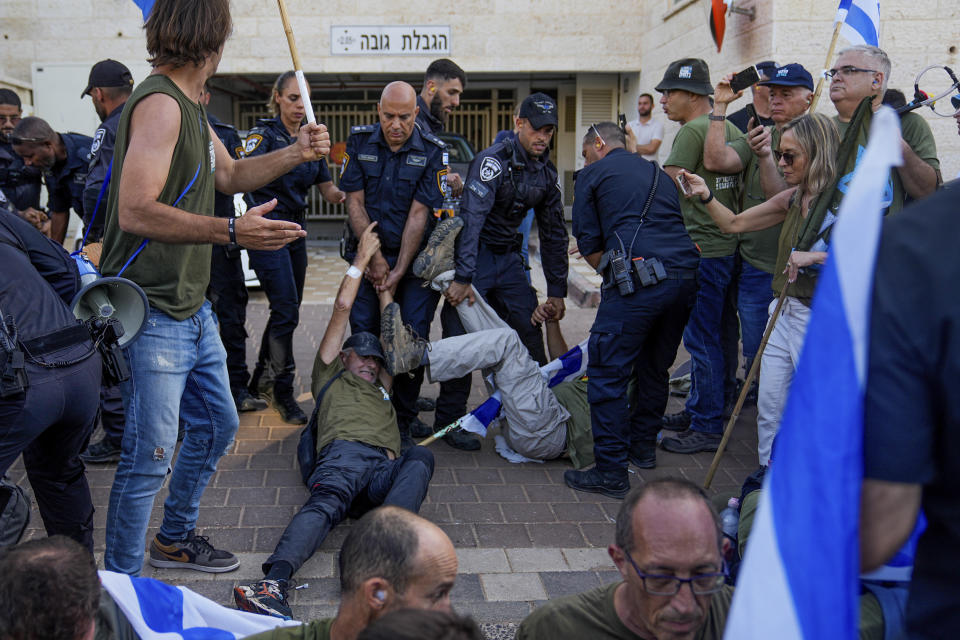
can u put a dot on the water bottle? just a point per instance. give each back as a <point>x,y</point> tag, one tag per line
<point>730,519</point>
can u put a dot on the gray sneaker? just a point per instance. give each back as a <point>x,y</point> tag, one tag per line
<point>437,257</point>
<point>402,347</point>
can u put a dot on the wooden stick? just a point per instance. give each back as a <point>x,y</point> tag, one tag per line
<point>822,80</point>
<point>746,388</point>
<point>439,434</point>
<point>297,67</point>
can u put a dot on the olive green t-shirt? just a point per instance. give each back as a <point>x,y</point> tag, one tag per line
<point>793,225</point>
<point>353,409</point>
<point>174,276</point>
<point>314,630</point>
<point>759,248</point>
<point>915,130</point>
<point>687,152</point>
<point>572,396</point>
<point>592,615</point>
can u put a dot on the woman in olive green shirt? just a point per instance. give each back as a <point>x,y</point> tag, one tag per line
<point>807,159</point>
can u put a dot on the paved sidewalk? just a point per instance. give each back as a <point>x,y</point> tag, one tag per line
<point>521,534</point>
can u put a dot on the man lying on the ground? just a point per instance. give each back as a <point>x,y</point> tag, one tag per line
<point>358,463</point>
<point>390,560</point>
<point>669,551</point>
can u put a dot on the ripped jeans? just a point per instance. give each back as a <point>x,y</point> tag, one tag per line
<point>178,371</point>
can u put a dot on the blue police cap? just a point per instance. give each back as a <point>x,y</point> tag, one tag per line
<point>365,343</point>
<point>539,109</point>
<point>790,75</point>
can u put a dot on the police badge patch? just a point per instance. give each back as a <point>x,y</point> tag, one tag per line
<point>490,168</point>
<point>253,141</point>
<point>97,141</point>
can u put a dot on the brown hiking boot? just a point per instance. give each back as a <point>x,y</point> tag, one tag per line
<point>437,257</point>
<point>402,347</point>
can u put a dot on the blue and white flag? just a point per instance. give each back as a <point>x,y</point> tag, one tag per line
<point>861,21</point>
<point>569,366</point>
<point>799,578</point>
<point>145,7</point>
<point>157,610</point>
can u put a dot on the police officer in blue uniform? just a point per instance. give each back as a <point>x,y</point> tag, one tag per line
<point>19,183</point>
<point>64,159</point>
<point>443,83</point>
<point>282,272</point>
<point>109,85</point>
<point>392,174</point>
<point>49,377</point>
<point>504,182</point>
<point>628,225</point>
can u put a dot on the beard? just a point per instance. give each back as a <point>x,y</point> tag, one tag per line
<point>436,110</point>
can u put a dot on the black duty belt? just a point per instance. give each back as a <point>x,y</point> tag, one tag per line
<point>57,340</point>
<point>682,274</point>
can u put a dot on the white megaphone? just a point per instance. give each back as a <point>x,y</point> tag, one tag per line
<point>112,297</point>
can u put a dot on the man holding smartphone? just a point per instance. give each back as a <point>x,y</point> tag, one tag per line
<point>761,98</point>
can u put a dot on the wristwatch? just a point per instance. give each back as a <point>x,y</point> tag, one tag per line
<point>717,118</point>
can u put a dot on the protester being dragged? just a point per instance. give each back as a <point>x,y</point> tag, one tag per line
<point>807,153</point>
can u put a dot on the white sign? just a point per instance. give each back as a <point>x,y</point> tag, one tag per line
<point>393,40</point>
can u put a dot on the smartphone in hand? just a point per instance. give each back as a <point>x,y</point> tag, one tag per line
<point>746,78</point>
<point>684,184</point>
<point>622,121</point>
<point>752,113</point>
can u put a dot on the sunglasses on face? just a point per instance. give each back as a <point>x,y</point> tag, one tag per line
<point>787,157</point>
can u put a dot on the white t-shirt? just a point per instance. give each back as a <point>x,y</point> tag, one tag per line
<point>645,133</point>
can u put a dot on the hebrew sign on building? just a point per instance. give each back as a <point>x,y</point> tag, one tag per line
<point>389,40</point>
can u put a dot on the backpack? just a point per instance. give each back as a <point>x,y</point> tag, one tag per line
<point>307,446</point>
<point>14,513</point>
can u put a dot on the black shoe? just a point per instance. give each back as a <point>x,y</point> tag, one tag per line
<point>676,421</point>
<point>267,597</point>
<point>101,451</point>
<point>596,481</point>
<point>418,428</point>
<point>289,410</point>
<point>406,442</point>
<point>425,404</point>
<point>195,552</point>
<point>642,457</point>
<point>246,402</point>
<point>462,440</point>
<point>691,441</point>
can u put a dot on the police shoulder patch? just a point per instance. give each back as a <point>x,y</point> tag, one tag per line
<point>362,128</point>
<point>490,168</point>
<point>238,151</point>
<point>252,142</point>
<point>97,140</point>
<point>434,139</point>
<point>478,188</point>
<point>416,160</point>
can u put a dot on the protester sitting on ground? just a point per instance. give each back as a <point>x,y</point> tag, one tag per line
<point>418,624</point>
<point>669,552</point>
<point>390,560</point>
<point>358,463</point>
<point>807,154</point>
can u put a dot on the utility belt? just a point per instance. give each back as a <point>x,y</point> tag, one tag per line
<point>625,275</point>
<point>14,353</point>
<point>57,340</point>
<point>500,248</point>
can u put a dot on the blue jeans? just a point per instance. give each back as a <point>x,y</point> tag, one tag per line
<point>755,291</point>
<point>525,227</point>
<point>282,274</point>
<point>177,371</point>
<point>702,338</point>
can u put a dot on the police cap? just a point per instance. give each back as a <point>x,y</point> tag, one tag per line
<point>108,73</point>
<point>539,109</point>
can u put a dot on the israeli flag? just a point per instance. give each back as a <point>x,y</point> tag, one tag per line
<point>569,366</point>
<point>159,611</point>
<point>861,21</point>
<point>809,509</point>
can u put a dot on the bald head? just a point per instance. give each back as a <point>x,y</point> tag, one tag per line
<point>398,112</point>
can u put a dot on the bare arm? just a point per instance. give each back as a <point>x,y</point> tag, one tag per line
<point>919,178</point>
<point>359,220</point>
<point>409,243</point>
<point>332,340</point>
<point>717,156</point>
<point>650,148</point>
<point>762,216</point>
<point>556,344</point>
<point>59,220</point>
<point>888,514</point>
<point>331,193</point>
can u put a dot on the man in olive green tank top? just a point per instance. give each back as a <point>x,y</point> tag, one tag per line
<point>158,230</point>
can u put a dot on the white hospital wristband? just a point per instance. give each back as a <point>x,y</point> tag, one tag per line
<point>353,272</point>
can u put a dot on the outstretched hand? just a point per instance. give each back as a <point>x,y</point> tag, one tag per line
<point>256,232</point>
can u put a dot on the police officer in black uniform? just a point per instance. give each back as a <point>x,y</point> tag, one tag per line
<point>109,85</point>
<point>282,272</point>
<point>19,183</point>
<point>504,182</point>
<point>392,174</point>
<point>628,225</point>
<point>64,159</point>
<point>227,290</point>
<point>49,377</point>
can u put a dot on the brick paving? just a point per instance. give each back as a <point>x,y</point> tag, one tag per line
<point>521,534</point>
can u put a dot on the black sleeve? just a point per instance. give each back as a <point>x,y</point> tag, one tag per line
<point>553,237</point>
<point>49,259</point>
<point>478,199</point>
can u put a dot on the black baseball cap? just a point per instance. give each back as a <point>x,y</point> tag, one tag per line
<point>955,101</point>
<point>108,73</point>
<point>688,74</point>
<point>767,68</point>
<point>789,75</point>
<point>539,109</point>
<point>365,343</point>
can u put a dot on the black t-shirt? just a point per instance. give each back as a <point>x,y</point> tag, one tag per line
<point>912,420</point>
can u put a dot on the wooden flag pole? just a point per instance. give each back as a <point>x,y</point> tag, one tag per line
<point>746,388</point>
<point>826,65</point>
<point>439,434</point>
<point>297,67</point>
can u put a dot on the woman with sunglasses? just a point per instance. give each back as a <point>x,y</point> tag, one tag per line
<point>807,159</point>
<point>282,272</point>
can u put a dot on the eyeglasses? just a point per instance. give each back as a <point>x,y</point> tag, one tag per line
<point>17,141</point>
<point>597,131</point>
<point>701,584</point>
<point>787,156</point>
<point>10,119</point>
<point>845,71</point>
